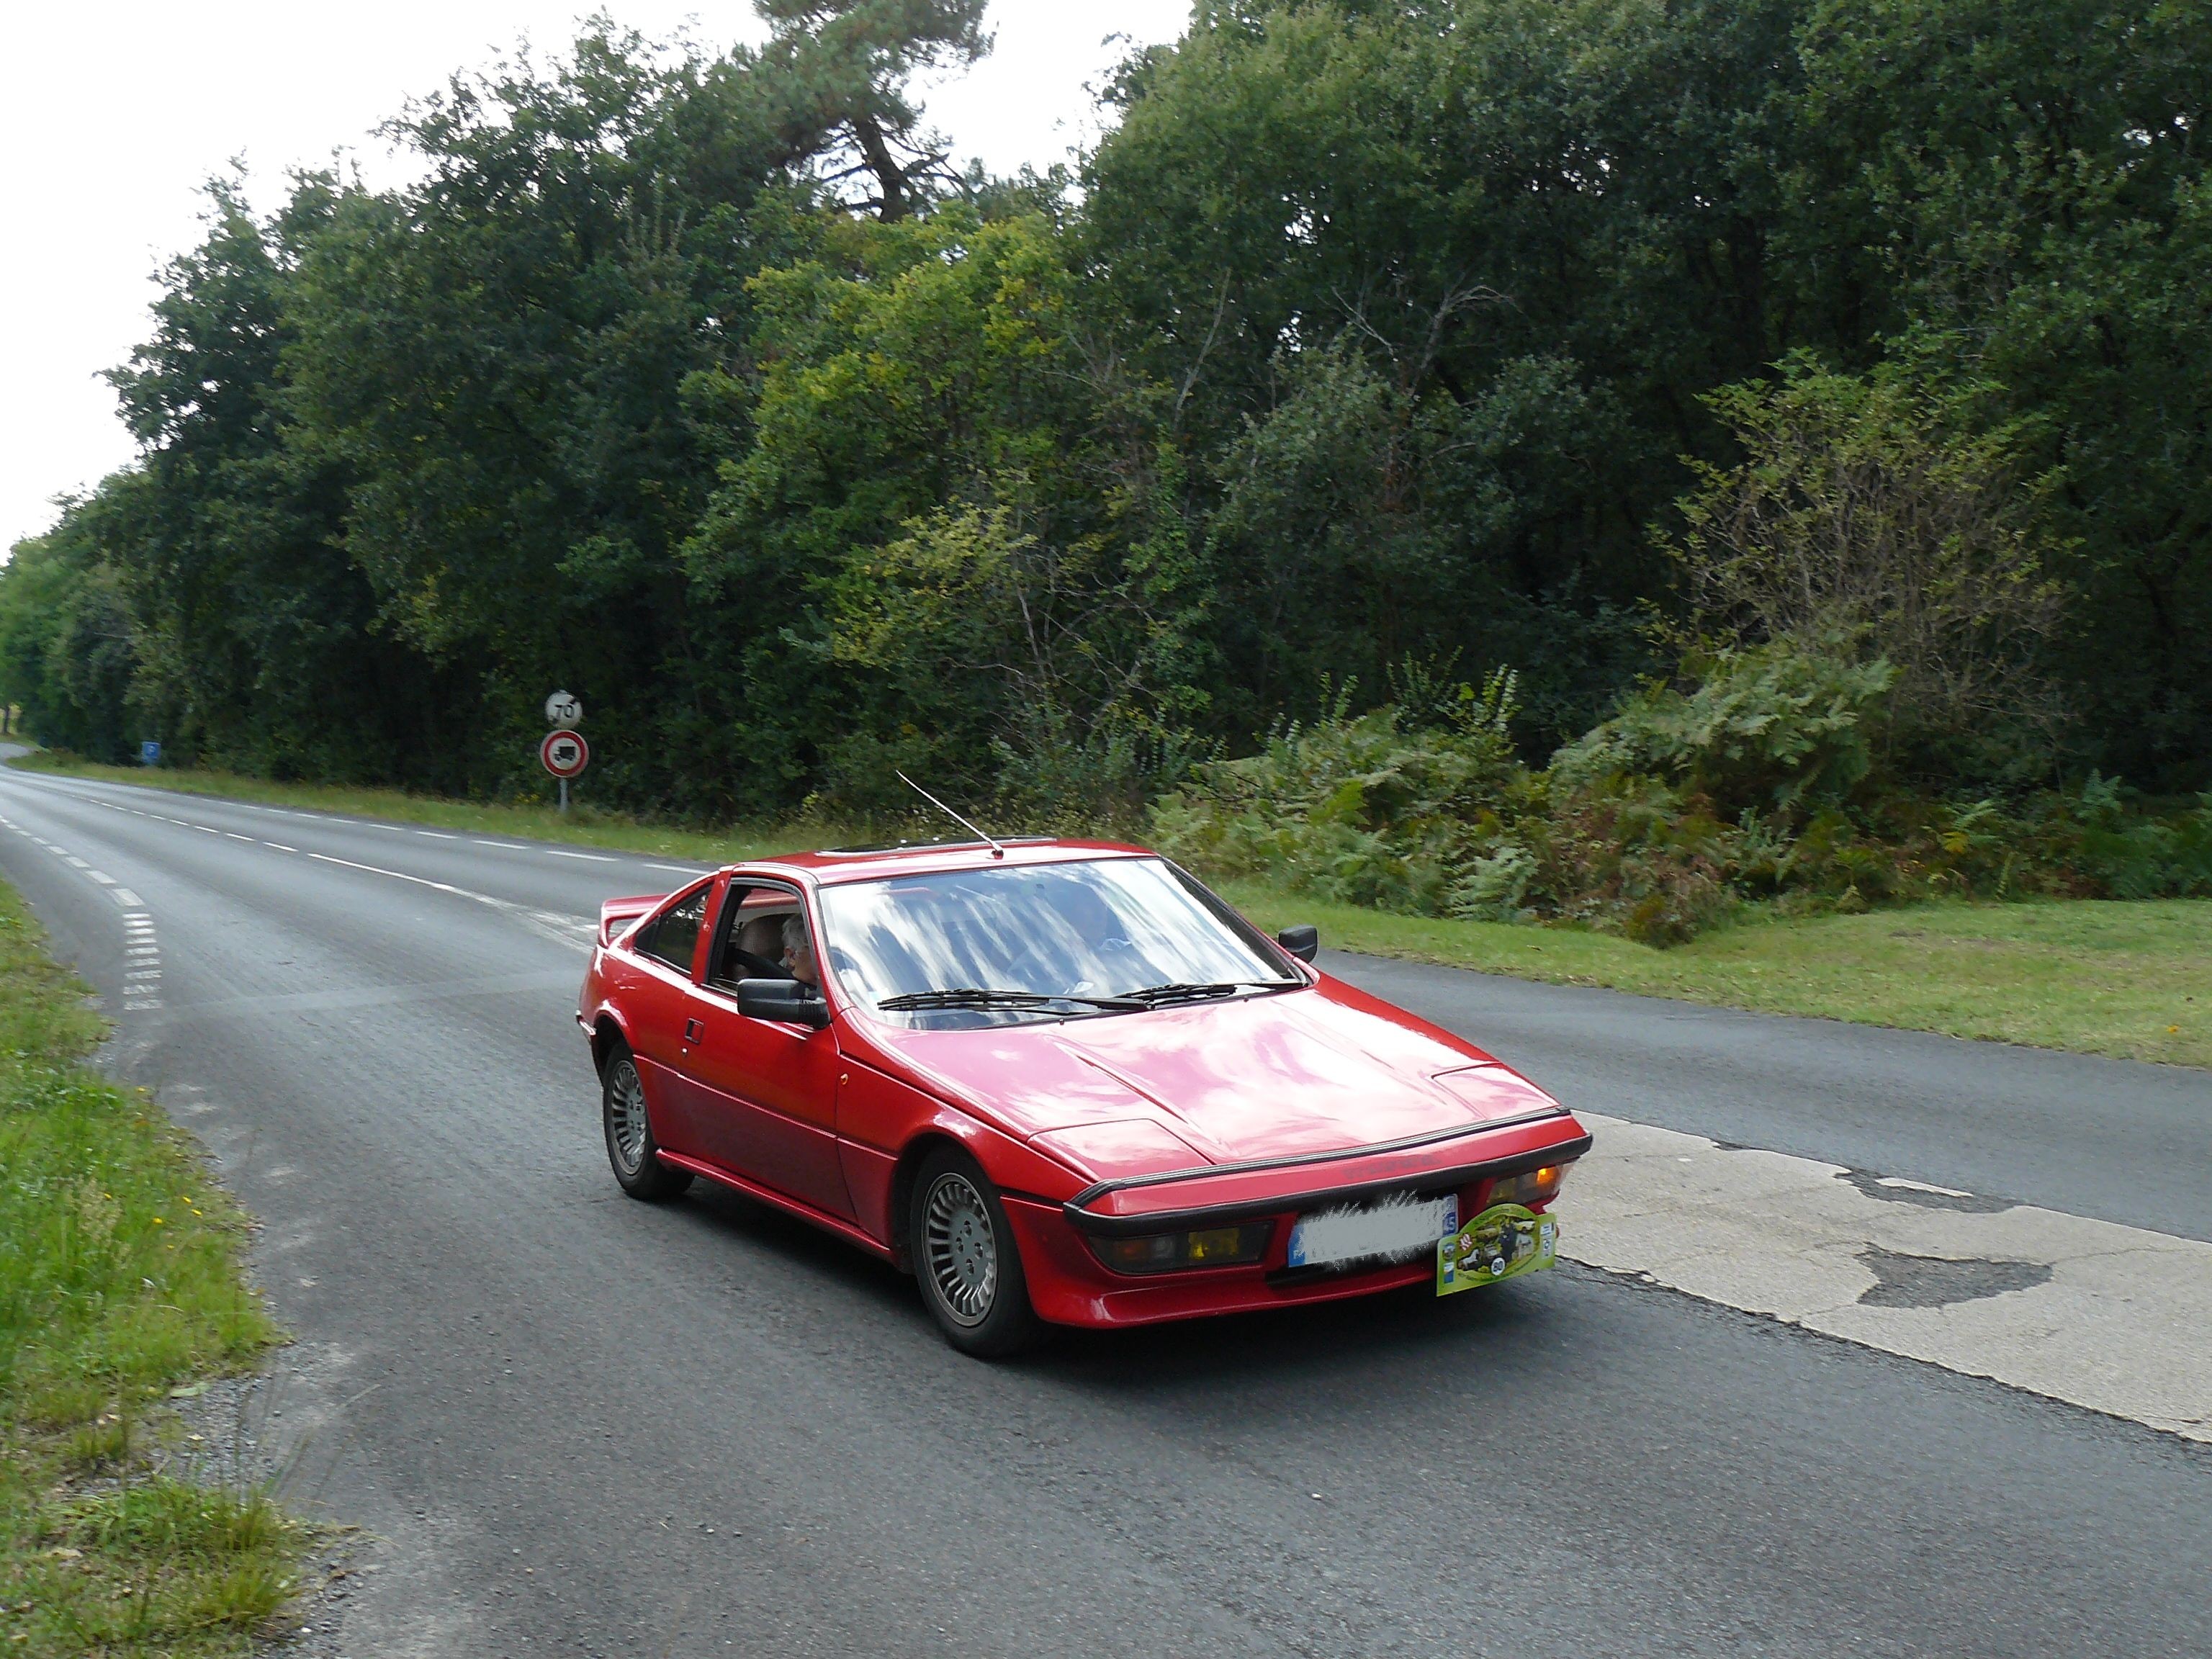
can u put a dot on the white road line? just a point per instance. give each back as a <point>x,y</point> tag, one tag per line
<point>437,835</point>
<point>2114,1318</point>
<point>142,975</point>
<point>100,876</point>
<point>401,875</point>
<point>578,932</point>
<point>504,845</point>
<point>595,858</point>
<point>280,847</point>
<point>676,869</point>
<point>234,836</point>
<point>125,897</point>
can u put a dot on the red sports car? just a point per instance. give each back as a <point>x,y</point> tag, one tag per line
<point>1061,1083</point>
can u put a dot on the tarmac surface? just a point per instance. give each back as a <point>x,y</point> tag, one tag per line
<point>572,1424</point>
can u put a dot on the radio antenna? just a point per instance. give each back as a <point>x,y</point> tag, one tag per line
<point>997,851</point>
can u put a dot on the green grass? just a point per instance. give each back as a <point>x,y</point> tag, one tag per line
<point>2128,978</point>
<point>2133,980</point>
<point>120,1280</point>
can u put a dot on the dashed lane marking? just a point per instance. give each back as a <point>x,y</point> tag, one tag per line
<point>365,823</point>
<point>114,889</point>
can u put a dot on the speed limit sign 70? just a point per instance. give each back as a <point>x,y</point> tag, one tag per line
<point>564,754</point>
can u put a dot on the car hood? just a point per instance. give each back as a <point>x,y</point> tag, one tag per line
<point>1321,1070</point>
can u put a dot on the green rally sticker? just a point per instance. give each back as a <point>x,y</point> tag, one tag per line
<point>1502,1242</point>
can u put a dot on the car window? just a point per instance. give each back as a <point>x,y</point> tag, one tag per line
<point>1095,927</point>
<point>749,944</point>
<point>675,935</point>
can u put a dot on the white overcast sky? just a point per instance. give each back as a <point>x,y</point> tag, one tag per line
<point>113,115</point>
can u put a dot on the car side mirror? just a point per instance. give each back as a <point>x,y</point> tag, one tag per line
<point>1301,941</point>
<point>784,1000</point>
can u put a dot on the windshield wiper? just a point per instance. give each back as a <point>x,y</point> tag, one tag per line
<point>973,997</point>
<point>1154,996</point>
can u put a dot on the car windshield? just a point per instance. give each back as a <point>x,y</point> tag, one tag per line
<point>977,947</point>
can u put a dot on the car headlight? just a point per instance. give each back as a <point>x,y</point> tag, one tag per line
<point>1205,1247</point>
<point>1529,1188</point>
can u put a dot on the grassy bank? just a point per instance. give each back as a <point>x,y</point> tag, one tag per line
<point>120,1283</point>
<point>2133,980</point>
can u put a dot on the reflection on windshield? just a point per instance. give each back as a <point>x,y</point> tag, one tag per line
<point>1095,928</point>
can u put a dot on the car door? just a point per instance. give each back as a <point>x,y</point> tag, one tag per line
<point>765,1092</point>
<point>655,995</point>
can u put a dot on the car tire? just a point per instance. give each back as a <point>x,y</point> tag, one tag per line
<point>631,1148</point>
<point>964,1255</point>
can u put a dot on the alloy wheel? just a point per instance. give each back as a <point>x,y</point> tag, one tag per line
<point>961,1248</point>
<point>626,1113</point>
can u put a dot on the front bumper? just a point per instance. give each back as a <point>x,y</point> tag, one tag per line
<point>1070,1285</point>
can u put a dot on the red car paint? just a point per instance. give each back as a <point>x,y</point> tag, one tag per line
<point>1248,1108</point>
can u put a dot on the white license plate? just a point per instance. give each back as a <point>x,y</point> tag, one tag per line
<point>1397,1229</point>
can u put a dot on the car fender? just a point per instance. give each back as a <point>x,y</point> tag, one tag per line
<point>598,1010</point>
<point>886,1126</point>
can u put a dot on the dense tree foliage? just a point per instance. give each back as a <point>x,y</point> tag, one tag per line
<point>1379,343</point>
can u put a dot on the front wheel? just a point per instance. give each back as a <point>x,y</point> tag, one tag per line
<point>964,1255</point>
<point>630,1145</point>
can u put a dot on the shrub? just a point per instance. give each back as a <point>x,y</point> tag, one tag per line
<point>1867,513</point>
<point>1774,726</point>
<point>1756,782</point>
<point>1357,808</point>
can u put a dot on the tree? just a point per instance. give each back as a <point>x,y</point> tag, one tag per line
<point>841,68</point>
<point>1863,522</point>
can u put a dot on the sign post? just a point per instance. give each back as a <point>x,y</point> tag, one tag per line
<point>563,753</point>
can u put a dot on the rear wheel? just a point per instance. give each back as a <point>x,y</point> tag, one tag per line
<point>630,1145</point>
<point>964,1255</point>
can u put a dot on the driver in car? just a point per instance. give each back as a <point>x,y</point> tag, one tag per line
<point>757,950</point>
<point>799,953</point>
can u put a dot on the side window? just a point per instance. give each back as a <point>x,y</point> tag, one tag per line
<point>672,938</point>
<point>751,943</point>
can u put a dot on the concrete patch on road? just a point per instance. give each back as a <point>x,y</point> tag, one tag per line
<point>2117,1318</point>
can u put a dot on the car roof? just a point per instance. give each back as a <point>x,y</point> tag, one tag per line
<point>833,866</point>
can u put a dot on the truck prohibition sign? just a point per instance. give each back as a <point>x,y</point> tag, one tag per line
<point>564,754</point>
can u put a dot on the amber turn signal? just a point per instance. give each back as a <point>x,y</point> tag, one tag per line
<point>1207,1246</point>
<point>1530,1186</point>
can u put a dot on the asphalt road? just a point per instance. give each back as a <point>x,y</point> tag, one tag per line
<point>576,1424</point>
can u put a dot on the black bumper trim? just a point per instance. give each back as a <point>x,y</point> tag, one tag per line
<point>1173,1221</point>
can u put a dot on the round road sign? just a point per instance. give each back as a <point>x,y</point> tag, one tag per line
<point>563,708</point>
<point>564,754</point>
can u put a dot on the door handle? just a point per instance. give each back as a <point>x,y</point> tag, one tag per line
<point>694,1031</point>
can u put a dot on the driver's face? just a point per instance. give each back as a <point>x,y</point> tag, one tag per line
<point>799,958</point>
